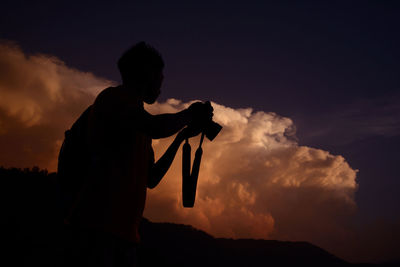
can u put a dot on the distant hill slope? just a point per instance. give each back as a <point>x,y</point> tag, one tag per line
<point>167,244</point>
<point>33,233</point>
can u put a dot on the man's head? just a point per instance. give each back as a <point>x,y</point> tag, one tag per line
<point>141,68</point>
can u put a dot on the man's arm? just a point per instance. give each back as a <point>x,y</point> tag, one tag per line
<point>161,167</point>
<point>165,125</point>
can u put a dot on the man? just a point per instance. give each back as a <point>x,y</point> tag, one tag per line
<point>106,219</point>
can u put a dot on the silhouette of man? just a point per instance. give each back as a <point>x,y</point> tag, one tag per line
<point>120,132</point>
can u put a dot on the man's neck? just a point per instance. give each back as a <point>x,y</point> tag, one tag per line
<point>133,91</point>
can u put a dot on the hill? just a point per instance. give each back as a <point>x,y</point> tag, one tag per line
<point>167,244</point>
<point>34,235</point>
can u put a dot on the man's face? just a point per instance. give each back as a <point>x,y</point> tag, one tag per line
<point>153,89</point>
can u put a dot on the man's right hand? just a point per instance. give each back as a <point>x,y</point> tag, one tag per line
<point>201,112</point>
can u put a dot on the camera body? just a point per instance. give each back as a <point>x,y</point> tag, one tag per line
<point>210,128</point>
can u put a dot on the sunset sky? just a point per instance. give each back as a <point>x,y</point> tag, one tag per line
<point>308,94</point>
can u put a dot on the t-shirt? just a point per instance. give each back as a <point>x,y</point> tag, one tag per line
<point>121,158</point>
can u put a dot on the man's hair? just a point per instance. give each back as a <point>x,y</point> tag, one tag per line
<point>138,61</point>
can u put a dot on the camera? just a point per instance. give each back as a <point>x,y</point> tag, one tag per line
<point>209,128</point>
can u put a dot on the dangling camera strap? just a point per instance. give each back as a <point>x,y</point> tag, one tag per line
<point>189,178</point>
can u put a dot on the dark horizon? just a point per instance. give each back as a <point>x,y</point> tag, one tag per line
<point>162,243</point>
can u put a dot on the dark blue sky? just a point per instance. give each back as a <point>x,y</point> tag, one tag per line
<point>333,68</point>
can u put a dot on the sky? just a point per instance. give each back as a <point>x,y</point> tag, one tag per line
<point>307,92</point>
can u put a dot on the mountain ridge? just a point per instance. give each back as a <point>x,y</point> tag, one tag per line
<point>184,245</point>
<point>33,231</point>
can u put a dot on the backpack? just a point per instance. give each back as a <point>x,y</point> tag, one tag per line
<point>73,164</point>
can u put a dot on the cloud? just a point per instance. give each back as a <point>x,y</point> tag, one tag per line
<point>255,181</point>
<point>40,97</point>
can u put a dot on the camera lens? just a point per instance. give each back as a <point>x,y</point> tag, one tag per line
<point>212,130</point>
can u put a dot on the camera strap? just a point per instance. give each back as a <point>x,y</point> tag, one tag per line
<point>190,176</point>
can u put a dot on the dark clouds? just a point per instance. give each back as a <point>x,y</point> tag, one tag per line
<point>358,120</point>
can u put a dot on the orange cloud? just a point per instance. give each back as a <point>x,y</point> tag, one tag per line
<point>255,180</point>
<point>40,97</point>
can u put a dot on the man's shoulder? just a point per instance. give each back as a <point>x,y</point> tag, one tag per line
<point>107,94</point>
<point>115,102</point>
<point>118,96</point>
